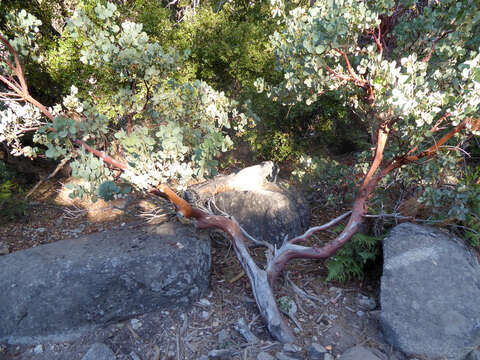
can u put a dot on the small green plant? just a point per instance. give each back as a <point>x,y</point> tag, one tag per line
<point>277,146</point>
<point>351,259</point>
<point>333,184</point>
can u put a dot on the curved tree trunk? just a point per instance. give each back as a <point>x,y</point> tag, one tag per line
<point>261,280</point>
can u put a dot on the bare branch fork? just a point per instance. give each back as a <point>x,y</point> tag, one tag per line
<point>262,280</point>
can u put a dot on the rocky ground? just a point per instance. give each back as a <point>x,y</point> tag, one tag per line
<point>224,324</point>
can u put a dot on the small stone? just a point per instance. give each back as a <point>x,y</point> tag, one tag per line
<point>136,324</point>
<point>317,351</point>
<point>335,290</point>
<point>59,221</point>
<point>358,353</point>
<point>38,349</point>
<point>99,351</point>
<point>360,313</point>
<point>203,357</point>
<point>264,356</point>
<point>221,354</point>
<point>204,302</point>
<point>366,302</point>
<point>284,356</point>
<point>134,356</point>
<point>332,317</point>
<point>41,229</point>
<point>291,348</point>
<point>223,338</point>
<point>79,229</point>
<point>4,250</point>
<point>205,315</point>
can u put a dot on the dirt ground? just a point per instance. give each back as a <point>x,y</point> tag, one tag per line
<point>330,314</point>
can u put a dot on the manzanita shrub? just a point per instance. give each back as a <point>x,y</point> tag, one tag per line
<point>410,70</point>
<point>163,129</point>
<point>411,67</point>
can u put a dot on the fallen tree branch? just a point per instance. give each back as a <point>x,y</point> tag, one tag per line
<point>289,250</point>
<point>262,280</point>
<point>261,288</point>
<point>37,185</point>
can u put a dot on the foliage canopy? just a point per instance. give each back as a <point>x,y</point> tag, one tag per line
<point>161,90</point>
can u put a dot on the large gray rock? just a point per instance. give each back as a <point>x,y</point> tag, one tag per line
<point>474,355</point>
<point>430,291</point>
<point>269,214</point>
<point>266,209</point>
<point>54,291</point>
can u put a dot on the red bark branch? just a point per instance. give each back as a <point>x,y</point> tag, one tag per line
<point>360,82</point>
<point>291,251</point>
<point>434,148</point>
<point>339,75</point>
<point>434,44</point>
<point>378,39</point>
<point>100,154</point>
<point>18,67</point>
<point>435,128</point>
<point>262,291</point>
<point>323,227</point>
<point>353,77</point>
<point>261,280</point>
<point>22,91</point>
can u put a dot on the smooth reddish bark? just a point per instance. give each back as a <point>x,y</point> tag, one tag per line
<point>262,280</point>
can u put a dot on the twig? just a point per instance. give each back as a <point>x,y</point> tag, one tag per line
<point>135,335</point>
<point>57,169</point>
<point>434,44</point>
<point>155,215</point>
<point>436,128</point>
<point>242,327</point>
<point>299,291</point>
<point>456,148</point>
<point>236,277</point>
<point>178,345</point>
<point>156,354</point>
<point>323,227</point>
<point>184,326</point>
<point>74,213</point>
<point>254,319</point>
